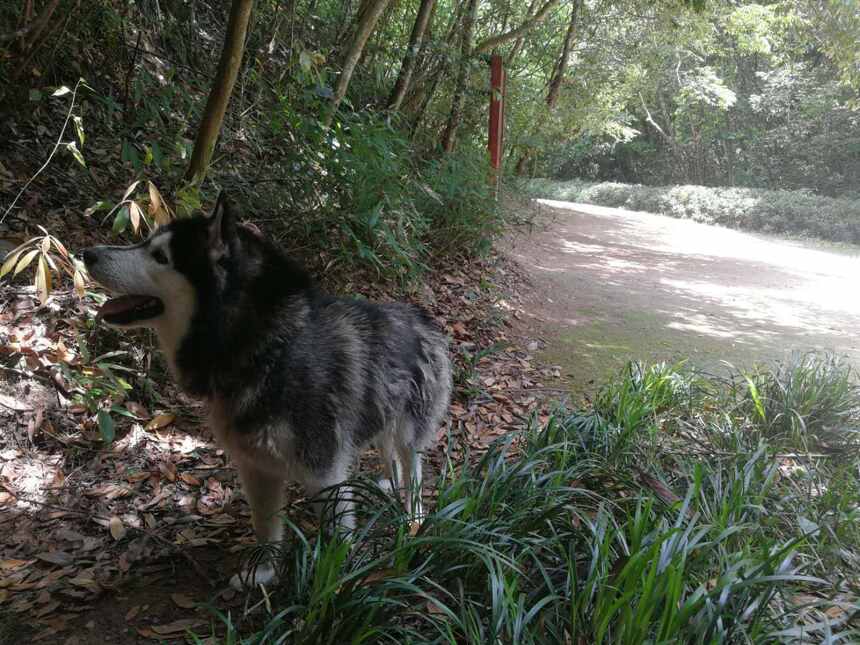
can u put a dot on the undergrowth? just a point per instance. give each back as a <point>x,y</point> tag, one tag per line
<point>674,511</point>
<point>791,212</point>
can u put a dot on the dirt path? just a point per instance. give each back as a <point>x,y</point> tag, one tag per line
<point>612,285</point>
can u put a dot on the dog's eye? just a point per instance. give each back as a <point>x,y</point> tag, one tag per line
<point>159,256</point>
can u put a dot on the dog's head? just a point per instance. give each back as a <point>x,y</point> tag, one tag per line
<point>159,282</point>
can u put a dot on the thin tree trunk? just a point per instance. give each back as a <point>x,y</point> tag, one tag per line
<point>424,68</point>
<point>555,82</point>
<point>561,66</point>
<point>491,43</point>
<point>449,135</point>
<point>416,38</point>
<point>222,88</point>
<point>367,19</point>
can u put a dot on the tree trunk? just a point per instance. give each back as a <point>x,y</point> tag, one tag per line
<point>367,20</point>
<point>416,38</point>
<point>520,169</point>
<point>561,66</point>
<point>222,88</point>
<point>449,135</point>
<point>501,39</point>
<point>424,69</point>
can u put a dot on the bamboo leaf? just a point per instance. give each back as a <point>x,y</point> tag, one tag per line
<point>25,261</point>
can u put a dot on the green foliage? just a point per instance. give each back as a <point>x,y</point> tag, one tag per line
<point>552,536</point>
<point>797,213</point>
<point>457,193</point>
<point>808,403</point>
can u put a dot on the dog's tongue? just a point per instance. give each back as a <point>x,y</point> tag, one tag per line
<point>130,307</point>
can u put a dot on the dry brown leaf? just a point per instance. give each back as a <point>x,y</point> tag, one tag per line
<point>160,421</point>
<point>835,612</point>
<point>168,468</point>
<point>379,574</point>
<point>177,626</point>
<point>86,583</point>
<point>117,530</point>
<point>190,479</point>
<point>56,557</point>
<point>137,409</point>
<point>183,600</point>
<point>132,613</point>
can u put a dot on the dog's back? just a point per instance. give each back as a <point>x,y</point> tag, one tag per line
<point>332,374</point>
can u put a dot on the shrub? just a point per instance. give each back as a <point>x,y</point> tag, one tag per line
<point>791,212</point>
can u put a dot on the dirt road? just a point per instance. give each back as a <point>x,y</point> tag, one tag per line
<point>612,285</point>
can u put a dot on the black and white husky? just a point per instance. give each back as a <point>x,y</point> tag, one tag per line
<point>296,381</point>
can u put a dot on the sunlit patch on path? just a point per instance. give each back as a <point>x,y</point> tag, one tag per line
<point>611,285</point>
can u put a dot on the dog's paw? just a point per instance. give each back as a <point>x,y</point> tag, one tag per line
<point>263,574</point>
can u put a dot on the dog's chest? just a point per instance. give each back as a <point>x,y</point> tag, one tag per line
<point>270,447</point>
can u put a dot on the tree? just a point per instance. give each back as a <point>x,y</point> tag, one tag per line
<point>416,39</point>
<point>556,79</point>
<point>518,43</point>
<point>368,16</point>
<point>561,65</point>
<point>456,114</point>
<point>222,89</point>
<point>491,43</point>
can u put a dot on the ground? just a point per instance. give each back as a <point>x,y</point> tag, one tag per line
<point>134,540</point>
<point>611,285</point>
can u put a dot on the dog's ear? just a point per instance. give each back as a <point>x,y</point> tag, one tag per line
<point>222,224</point>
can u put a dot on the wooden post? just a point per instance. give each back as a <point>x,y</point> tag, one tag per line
<point>497,117</point>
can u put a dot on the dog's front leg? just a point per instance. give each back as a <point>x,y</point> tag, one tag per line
<point>265,494</point>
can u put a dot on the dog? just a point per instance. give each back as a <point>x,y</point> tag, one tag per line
<point>297,382</point>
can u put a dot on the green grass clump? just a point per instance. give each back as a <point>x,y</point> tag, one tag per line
<point>669,513</point>
<point>791,212</point>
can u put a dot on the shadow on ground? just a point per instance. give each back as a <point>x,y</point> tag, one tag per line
<point>612,285</point>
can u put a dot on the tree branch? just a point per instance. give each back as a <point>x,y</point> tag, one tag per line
<point>501,39</point>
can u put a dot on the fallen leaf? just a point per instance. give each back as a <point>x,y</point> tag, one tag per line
<point>160,421</point>
<point>137,409</point>
<point>183,600</point>
<point>56,557</point>
<point>169,470</point>
<point>86,583</point>
<point>379,574</point>
<point>132,613</point>
<point>11,565</point>
<point>47,609</point>
<point>177,626</point>
<point>189,479</point>
<point>117,530</point>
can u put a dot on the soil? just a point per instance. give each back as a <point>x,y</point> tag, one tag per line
<point>611,285</point>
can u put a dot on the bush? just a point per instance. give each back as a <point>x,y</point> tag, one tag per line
<point>770,211</point>
<point>810,403</point>
<point>579,531</point>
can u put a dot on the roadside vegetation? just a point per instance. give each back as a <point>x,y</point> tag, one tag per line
<point>793,213</point>
<point>679,508</point>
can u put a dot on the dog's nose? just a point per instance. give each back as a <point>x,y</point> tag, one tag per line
<point>88,256</point>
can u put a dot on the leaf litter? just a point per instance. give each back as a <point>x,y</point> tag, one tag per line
<point>84,518</point>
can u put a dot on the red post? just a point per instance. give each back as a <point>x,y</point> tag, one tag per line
<point>497,112</point>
